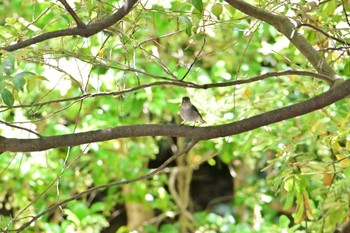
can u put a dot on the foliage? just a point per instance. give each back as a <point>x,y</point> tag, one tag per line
<point>295,173</point>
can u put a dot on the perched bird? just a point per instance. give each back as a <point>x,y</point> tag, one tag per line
<point>189,112</point>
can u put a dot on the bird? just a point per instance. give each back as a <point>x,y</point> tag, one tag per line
<point>189,112</point>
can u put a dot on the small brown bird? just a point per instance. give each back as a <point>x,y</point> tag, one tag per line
<point>189,112</point>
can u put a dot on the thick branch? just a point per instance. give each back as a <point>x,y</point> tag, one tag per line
<point>286,27</point>
<point>86,31</point>
<point>204,133</point>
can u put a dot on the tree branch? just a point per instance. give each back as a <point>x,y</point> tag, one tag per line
<point>336,93</point>
<point>85,31</point>
<point>286,27</point>
<point>180,84</point>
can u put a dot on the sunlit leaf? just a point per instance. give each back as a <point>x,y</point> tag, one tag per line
<point>329,7</point>
<point>335,145</point>
<point>344,160</point>
<point>283,221</point>
<point>289,183</point>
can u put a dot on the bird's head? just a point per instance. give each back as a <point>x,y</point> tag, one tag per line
<point>186,101</point>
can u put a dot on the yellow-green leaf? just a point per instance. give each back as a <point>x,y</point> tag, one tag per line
<point>216,9</point>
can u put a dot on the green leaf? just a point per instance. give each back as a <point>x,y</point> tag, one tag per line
<point>9,65</point>
<point>347,68</point>
<point>227,153</point>
<point>168,228</point>
<point>99,70</point>
<point>289,184</point>
<point>80,210</point>
<point>198,4</point>
<point>302,183</point>
<point>7,97</point>
<point>330,7</point>
<point>98,206</point>
<point>19,81</point>
<point>188,25</point>
<point>346,172</point>
<point>66,18</point>
<point>289,201</point>
<point>27,74</point>
<point>32,80</point>
<point>72,217</point>
<point>216,9</point>
<point>284,221</point>
<point>298,216</point>
<point>231,10</point>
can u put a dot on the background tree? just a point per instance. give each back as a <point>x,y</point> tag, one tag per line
<point>77,75</point>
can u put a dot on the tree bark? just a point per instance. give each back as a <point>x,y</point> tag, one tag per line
<point>197,133</point>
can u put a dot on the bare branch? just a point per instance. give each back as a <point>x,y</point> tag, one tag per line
<point>336,93</point>
<point>86,31</point>
<point>118,183</point>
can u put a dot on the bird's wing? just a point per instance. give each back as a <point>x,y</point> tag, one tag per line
<point>196,110</point>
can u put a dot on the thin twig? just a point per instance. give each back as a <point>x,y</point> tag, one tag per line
<point>39,17</point>
<point>19,127</point>
<point>197,56</point>
<point>323,32</point>
<point>345,13</point>
<point>181,84</point>
<point>97,54</point>
<point>160,62</point>
<point>50,185</point>
<point>62,71</point>
<point>341,48</point>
